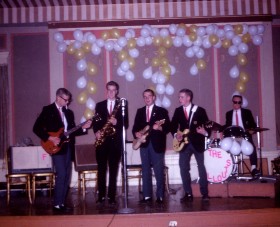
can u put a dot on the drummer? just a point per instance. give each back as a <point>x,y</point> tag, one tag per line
<point>243,118</point>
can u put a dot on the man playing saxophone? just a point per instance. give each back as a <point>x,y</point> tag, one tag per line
<point>108,133</point>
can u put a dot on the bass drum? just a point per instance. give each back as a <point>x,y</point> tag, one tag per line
<point>218,163</point>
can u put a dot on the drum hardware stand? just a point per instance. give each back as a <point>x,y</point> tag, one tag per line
<point>240,163</point>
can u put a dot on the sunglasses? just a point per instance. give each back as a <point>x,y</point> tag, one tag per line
<point>237,102</point>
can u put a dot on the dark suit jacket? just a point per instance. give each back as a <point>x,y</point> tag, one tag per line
<point>157,137</point>
<point>198,117</point>
<point>247,118</point>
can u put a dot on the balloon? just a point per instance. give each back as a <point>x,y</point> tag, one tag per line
<point>181,32</point>
<point>243,48</point>
<point>81,82</point>
<point>100,43</point>
<point>228,27</point>
<point>189,52</point>
<point>236,40</point>
<point>157,41</point>
<point>88,113</point>
<point>213,39</point>
<point>131,43</point>
<point>201,31</point>
<point>147,73</point>
<point>131,62</point>
<point>206,43</point>
<point>79,54</point>
<point>91,68</point>
<point>90,104</point>
<point>95,50</point>
<point>167,42</point>
<point>105,35</point>
<point>141,41</point>
<point>238,29</point>
<point>193,28</point>
<point>244,102</point>
<point>166,102</point>
<point>192,36</point>
<point>70,49</point>
<point>245,28</point>
<point>218,44</point>
<point>154,32</point>
<point>201,64</point>
<point>61,47</point>
<point>243,77</point>
<point>260,28</point>
<point>246,147</point>
<point>158,102</point>
<point>186,41</point>
<point>235,148</point>
<point>115,33</point>
<point>77,44</point>
<point>226,143</point>
<point>173,69</point>
<point>257,40</point>
<point>125,66</point>
<point>122,55</point>
<point>86,47</point>
<point>128,34</point>
<point>164,32</point>
<point>233,51</point>
<point>155,62</point>
<point>78,35</point>
<point>122,41</point>
<point>198,41</point>
<point>194,70</point>
<point>134,53</point>
<point>210,29</point>
<point>117,47</point>
<point>154,77</point>
<point>226,43</point>
<point>253,30</point>
<point>161,51</point>
<point>240,87</point>
<point>166,70</point>
<point>81,65</point>
<point>120,72</point>
<point>229,34</point>
<point>129,76</point>
<point>242,59</point>
<point>58,37</point>
<point>91,88</point>
<point>220,33</point>
<point>200,53</point>
<point>164,61</point>
<point>160,89</point>
<point>148,40</point>
<point>91,38</point>
<point>161,79</point>
<point>177,41</point>
<point>246,38</point>
<point>234,72</point>
<point>172,29</point>
<point>169,89</point>
<point>131,31</point>
<point>82,97</point>
<point>83,119</point>
<point>109,45</point>
<point>195,49</point>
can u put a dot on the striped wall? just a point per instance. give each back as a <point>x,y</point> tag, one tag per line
<point>33,11</point>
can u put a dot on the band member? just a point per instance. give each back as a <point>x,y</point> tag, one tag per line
<point>192,117</point>
<point>52,118</point>
<point>243,118</point>
<point>108,152</point>
<point>153,149</point>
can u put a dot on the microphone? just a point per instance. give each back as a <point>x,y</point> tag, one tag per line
<point>123,101</point>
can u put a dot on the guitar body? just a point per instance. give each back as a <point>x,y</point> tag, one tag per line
<point>178,145</point>
<point>50,147</point>
<point>137,142</point>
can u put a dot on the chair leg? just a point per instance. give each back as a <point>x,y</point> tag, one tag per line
<point>8,190</point>
<point>29,189</point>
<point>166,180</point>
<point>33,188</point>
<point>83,186</point>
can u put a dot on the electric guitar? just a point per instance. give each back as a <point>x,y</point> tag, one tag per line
<point>51,148</point>
<point>145,132</point>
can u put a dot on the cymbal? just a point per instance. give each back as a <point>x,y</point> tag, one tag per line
<point>214,126</point>
<point>257,129</point>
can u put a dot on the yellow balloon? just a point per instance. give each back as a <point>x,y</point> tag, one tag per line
<point>167,42</point>
<point>242,59</point>
<point>238,29</point>
<point>167,77</point>
<point>240,87</point>
<point>226,43</point>
<point>122,55</point>
<point>82,97</point>
<point>164,61</point>
<point>88,113</point>
<point>243,77</point>
<point>193,28</point>
<point>131,43</point>
<point>115,33</point>
<point>70,49</point>
<point>131,62</point>
<point>91,87</point>
<point>79,54</point>
<point>213,39</point>
<point>155,62</point>
<point>105,35</point>
<point>193,36</point>
<point>166,70</point>
<point>182,25</point>
<point>162,50</point>
<point>152,88</point>
<point>201,64</point>
<point>86,47</point>
<point>91,68</point>
<point>157,41</point>
<point>246,38</point>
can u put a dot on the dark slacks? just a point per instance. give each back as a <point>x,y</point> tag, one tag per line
<point>253,157</point>
<point>151,158</point>
<point>184,164</point>
<point>63,169</point>
<point>108,154</point>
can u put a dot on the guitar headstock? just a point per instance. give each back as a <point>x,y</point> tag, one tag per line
<point>160,122</point>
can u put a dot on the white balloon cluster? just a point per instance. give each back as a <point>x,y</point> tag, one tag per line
<point>234,147</point>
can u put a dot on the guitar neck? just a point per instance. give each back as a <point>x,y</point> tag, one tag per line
<point>74,129</point>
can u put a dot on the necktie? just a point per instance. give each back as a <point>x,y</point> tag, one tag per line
<point>111,108</point>
<point>148,114</point>
<point>236,118</point>
<point>186,113</point>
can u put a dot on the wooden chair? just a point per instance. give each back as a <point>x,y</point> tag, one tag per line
<point>84,177</point>
<point>42,178</point>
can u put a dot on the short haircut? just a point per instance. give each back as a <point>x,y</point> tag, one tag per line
<point>113,83</point>
<point>149,90</point>
<point>64,91</point>
<point>237,96</point>
<point>188,92</point>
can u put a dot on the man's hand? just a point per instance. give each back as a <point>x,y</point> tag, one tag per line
<point>157,126</point>
<point>87,124</point>
<point>138,135</point>
<point>55,140</point>
<point>97,134</point>
<point>113,120</point>
<point>179,136</point>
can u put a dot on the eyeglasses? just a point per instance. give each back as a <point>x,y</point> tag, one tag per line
<point>237,102</point>
<point>65,100</point>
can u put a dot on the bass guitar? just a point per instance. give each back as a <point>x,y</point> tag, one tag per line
<point>51,148</point>
<point>145,132</point>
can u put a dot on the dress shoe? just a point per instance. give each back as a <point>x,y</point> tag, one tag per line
<point>205,198</point>
<point>66,208</point>
<point>145,201</point>
<point>112,202</point>
<point>255,172</point>
<point>62,208</point>
<point>187,197</point>
<point>100,200</point>
<point>159,200</point>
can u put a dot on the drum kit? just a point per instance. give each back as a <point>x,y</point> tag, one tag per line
<point>223,157</point>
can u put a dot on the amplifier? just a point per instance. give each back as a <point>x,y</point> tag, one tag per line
<point>85,157</point>
<point>33,159</point>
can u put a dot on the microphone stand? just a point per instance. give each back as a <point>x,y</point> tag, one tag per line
<point>124,210</point>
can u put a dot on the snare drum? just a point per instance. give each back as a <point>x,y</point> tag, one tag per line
<point>218,163</point>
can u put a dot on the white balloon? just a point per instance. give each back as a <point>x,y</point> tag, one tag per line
<point>155,32</point>
<point>206,43</point>
<point>201,31</point>
<point>177,41</point>
<point>100,42</point>
<point>132,32</point>
<point>198,41</point>
<point>128,34</point>
<point>164,32</point>
<point>134,53</point>
<point>235,148</point>
<point>147,26</point>
<point>200,53</point>
<point>189,52</point>
<point>218,44</point>
<point>109,45</point>
<point>243,48</point>
<point>257,40</point>
<point>120,72</point>
<point>220,33</point>
<point>173,69</point>
<point>244,102</point>
<point>195,49</point>
<point>226,143</point>
<point>194,70</point>
<point>58,37</point>
<point>236,40</point>
<point>95,50</point>
<point>141,41</point>
<point>233,50</point>
<point>148,40</point>
<point>147,73</point>
<point>125,66</point>
<point>246,147</point>
<point>172,29</point>
<point>78,35</point>
<point>117,47</point>
<point>160,89</point>
<point>229,34</point>
<point>180,32</point>
<point>166,102</point>
<point>245,28</point>
<point>253,30</point>
<point>83,119</point>
<point>81,65</point>
<point>122,41</point>
<point>61,47</point>
<point>77,44</point>
<point>90,104</point>
<point>81,82</point>
<point>158,102</point>
<point>91,38</point>
<point>210,29</point>
<point>86,36</point>
<point>186,41</point>
<point>161,79</point>
<point>260,28</point>
<point>234,72</point>
<point>129,76</point>
<point>154,77</point>
<point>144,32</point>
<point>228,27</point>
<point>169,89</point>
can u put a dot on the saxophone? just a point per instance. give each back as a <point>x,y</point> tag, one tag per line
<point>108,129</point>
